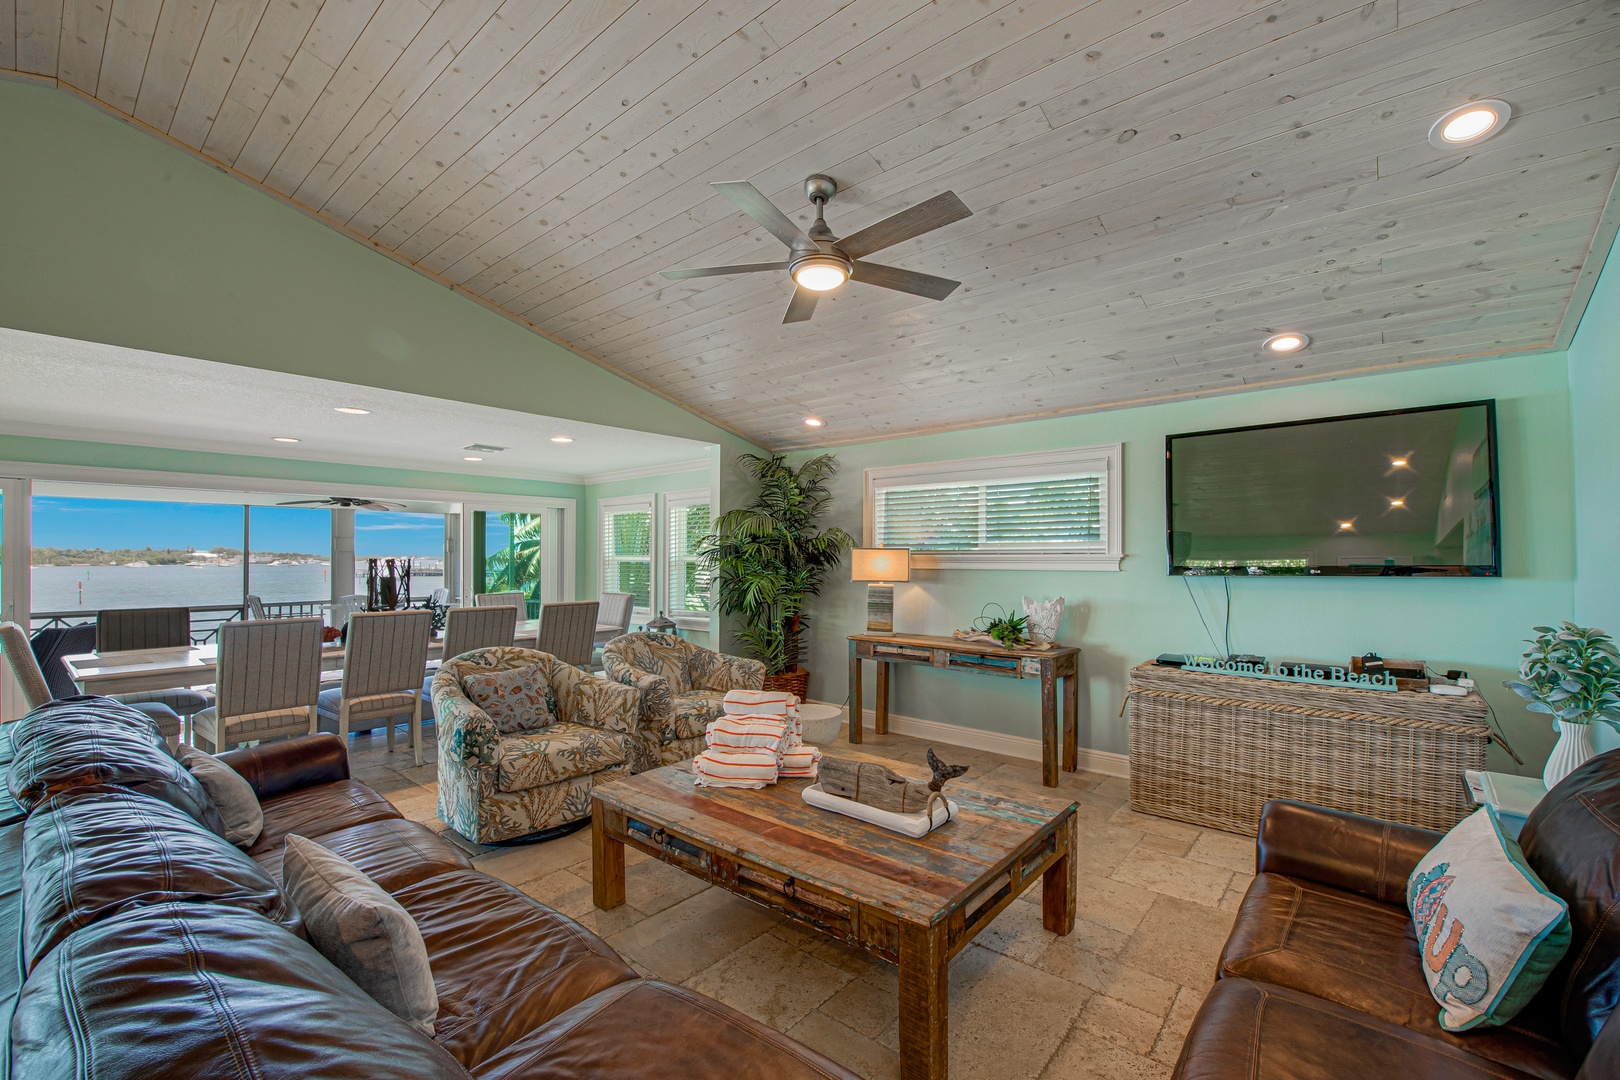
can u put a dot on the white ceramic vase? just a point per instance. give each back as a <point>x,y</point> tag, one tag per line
<point>1574,746</point>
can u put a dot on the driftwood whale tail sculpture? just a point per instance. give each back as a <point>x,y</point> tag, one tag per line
<point>878,785</point>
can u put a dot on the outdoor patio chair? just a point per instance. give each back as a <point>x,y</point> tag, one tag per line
<point>568,631</point>
<point>383,662</point>
<point>255,607</point>
<point>123,629</point>
<point>466,629</point>
<point>269,682</point>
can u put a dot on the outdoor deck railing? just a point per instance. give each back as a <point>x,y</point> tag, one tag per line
<point>205,621</point>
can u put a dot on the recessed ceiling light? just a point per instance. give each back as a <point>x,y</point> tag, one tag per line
<point>1469,124</point>
<point>350,410</point>
<point>1397,463</point>
<point>1344,525</point>
<point>1396,504</point>
<point>561,438</point>
<point>813,421</point>
<point>282,438</point>
<point>1285,342</point>
<point>469,457</point>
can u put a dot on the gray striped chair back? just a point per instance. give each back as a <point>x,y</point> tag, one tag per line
<point>387,652</point>
<point>568,631</point>
<point>616,608</point>
<point>268,664</point>
<point>14,640</point>
<point>469,628</point>
<point>504,599</point>
<point>118,629</point>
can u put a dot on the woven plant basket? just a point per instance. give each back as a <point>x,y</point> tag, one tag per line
<point>1211,749</point>
<point>795,682</point>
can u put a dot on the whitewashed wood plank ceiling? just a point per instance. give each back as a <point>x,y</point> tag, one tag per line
<point>1156,185</point>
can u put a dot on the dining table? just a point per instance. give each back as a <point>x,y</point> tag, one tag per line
<point>135,670</point>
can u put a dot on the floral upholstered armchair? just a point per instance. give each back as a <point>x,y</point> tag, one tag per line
<point>523,737</point>
<point>681,686</point>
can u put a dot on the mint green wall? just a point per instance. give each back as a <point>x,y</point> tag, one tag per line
<point>1123,618</point>
<point>114,236</point>
<point>1594,385</point>
<point>590,546</point>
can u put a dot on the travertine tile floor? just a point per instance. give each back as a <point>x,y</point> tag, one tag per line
<point>1112,1000</point>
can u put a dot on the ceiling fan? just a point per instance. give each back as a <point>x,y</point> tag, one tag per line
<point>819,260</point>
<point>346,502</point>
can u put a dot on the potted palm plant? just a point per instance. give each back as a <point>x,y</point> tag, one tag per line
<point>768,558</point>
<point>1572,674</point>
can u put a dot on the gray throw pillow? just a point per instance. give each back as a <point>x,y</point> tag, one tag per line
<point>232,796</point>
<point>362,930</point>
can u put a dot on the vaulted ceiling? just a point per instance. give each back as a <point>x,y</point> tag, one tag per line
<point>1155,185</point>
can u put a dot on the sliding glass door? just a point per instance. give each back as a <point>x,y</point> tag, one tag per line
<point>519,549</point>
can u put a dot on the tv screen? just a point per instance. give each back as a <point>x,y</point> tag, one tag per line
<point>1395,494</point>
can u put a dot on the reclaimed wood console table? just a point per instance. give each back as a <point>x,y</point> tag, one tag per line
<point>949,654</point>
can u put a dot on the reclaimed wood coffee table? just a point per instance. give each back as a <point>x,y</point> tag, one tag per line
<point>915,903</point>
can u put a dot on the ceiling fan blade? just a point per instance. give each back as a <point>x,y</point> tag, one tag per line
<point>715,271</point>
<point>751,201</point>
<point>305,502</point>
<point>906,281</point>
<point>925,217</point>
<point>802,306</point>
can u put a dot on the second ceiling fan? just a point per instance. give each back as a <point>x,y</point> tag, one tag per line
<point>819,261</point>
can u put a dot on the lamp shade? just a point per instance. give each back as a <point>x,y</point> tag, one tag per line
<point>880,564</point>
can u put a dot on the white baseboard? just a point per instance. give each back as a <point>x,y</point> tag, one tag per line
<point>1105,762</point>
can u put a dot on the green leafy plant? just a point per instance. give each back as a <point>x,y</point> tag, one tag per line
<point>1006,628</point>
<point>1571,673</point>
<point>517,566</point>
<point>768,558</point>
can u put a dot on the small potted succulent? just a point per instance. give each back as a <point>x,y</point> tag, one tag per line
<point>1572,674</point>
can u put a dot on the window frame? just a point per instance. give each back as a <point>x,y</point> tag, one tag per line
<point>669,502</point>
<point>1107,458</point>
<point>620,504</point>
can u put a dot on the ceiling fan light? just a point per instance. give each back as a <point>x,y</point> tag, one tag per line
<point>820,275</point>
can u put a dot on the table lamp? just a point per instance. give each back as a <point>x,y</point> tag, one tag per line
<point>880,567</point>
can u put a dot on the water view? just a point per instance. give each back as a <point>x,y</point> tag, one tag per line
<point>90,588</point>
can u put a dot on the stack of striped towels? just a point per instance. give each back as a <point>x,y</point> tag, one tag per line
<point>754,742</point>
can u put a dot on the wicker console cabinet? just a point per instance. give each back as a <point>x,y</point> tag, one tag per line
<point>1211,749</point>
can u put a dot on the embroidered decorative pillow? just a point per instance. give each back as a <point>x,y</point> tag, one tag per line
<point>516,699</point>
<point>1489,932</point>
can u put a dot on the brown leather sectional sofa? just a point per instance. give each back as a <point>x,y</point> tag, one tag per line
<point>1320,977</point>
<point>182,964</point>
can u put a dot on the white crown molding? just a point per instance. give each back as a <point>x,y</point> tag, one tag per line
<point>261,485</point>
<point>1105,762</point>
<point>203,446</point>
<point>640,471</point>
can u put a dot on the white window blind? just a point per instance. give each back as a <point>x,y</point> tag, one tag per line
<point>1051,509</point>
<point>627,559</point>
<point>688,519</point>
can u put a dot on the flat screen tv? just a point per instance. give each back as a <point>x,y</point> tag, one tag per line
<point>1407,493</point>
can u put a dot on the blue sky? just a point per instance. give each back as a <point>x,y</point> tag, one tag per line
<point>120,523</point>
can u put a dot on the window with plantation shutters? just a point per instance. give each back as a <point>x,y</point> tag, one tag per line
<point>1054,509</point>
<point>688,517</point>
<point>627,548</point>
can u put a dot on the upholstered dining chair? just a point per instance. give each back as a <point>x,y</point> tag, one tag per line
<point>123,629</point>
<point>383,662</point>
<point>568,631</point>
<point>37,689</point>
<point>614,613</point>
<point>516,599</point>
<point>466,629</point>
<point>24,667</point>
<point>267,686</point>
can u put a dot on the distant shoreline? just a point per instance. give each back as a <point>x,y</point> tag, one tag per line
<point>92,557</point>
